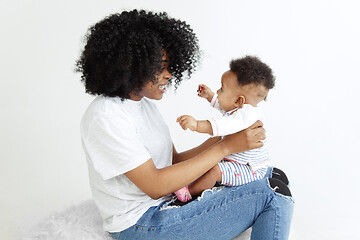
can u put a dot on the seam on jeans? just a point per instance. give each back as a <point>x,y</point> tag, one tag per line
<point>227,203</point>
<point>274,203</point>
<point>230,201</point>
<point>149,228</point>
<point>277,226</point>
<point>202,213</point>
<point>199,198</point>
<point>277,218</point>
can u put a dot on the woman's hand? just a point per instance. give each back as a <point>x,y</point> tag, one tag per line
<point>160,182</point>
<point>246,139</point>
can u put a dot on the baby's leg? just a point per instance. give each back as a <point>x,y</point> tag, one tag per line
<point>236,174</point>
<point>206,181</point>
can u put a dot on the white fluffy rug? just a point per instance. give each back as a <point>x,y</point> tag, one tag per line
<point>80,222</point>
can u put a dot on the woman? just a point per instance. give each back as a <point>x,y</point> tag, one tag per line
<point>128,59</point>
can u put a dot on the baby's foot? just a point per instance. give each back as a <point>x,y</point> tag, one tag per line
<point>183,194</point>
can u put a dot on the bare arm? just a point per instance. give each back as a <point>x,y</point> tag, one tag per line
<point>204,126</point>
<point>179,157</point>
<point>160,182</point>
<point>205,92</point>
<point>200,126</point>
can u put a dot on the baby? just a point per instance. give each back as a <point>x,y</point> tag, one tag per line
<point>242,87</point>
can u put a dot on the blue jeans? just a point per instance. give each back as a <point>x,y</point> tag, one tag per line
<point>220,213</point>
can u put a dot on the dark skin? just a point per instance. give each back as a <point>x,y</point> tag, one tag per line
<point>231,96</point>
<point>189,165</point>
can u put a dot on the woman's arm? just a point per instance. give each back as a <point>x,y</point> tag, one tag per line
<point>160,182</point>
<point>179,157</point>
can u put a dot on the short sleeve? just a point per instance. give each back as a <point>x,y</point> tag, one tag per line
<point>113,145</point>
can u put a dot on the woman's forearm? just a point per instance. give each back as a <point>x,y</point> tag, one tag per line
<point>183,173</point>
<point>157,183</point>
<point>160,182</point>
<point>179,157</point>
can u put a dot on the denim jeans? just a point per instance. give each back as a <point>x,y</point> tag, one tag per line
<point>220,213</point>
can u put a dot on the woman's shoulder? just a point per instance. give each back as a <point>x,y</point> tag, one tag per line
<point>148,102</point>
<point>104,105</point>
<point>107,109</point>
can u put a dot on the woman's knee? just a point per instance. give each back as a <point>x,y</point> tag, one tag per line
<point>280,175</point>
<point>279,186</point>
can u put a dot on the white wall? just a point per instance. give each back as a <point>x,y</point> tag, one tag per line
<point>312,113</point>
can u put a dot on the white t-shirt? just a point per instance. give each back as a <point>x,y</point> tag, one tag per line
<point>118,136</point>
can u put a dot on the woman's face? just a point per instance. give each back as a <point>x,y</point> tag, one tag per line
<point>155,90</point>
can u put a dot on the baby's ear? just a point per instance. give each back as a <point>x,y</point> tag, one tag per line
<point>240,101</point>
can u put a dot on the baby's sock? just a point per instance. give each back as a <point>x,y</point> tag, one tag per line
<point>183,194</point>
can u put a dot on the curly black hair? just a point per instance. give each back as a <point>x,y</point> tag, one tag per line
<point>250,69</point>
<point>124,51</point>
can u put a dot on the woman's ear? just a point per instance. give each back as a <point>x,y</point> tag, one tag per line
<point>240,101</point>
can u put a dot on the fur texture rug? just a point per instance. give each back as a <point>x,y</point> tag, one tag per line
<point>79,222</point>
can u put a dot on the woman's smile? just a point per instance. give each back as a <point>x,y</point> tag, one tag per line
<point>162,88</point>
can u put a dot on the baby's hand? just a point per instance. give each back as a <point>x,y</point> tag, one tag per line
<point>205,92</point>
<point>187,122</point>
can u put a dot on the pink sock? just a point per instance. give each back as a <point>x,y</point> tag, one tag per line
<point>183,194</point>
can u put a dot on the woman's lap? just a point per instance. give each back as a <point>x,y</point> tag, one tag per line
<point>220,213</point>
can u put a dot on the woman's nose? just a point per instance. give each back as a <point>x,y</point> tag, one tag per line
<point>167,74</point>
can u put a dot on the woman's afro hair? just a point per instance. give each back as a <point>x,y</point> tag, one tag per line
<point>124,51</point>
<point>250,69</point>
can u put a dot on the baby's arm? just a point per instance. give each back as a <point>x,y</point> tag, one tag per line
<point>239,120</point>
<point>188,122</point>
<point>205,92</point>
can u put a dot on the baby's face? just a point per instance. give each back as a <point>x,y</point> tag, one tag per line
<point>230,91</point>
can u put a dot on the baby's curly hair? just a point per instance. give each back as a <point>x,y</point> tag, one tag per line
<point>250,69</point>
<point>124,51</point>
